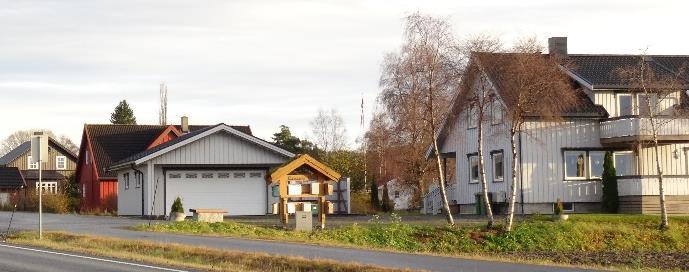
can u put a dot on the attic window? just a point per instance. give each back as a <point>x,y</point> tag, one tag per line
<point>255,175</point>
<point>175,176</point>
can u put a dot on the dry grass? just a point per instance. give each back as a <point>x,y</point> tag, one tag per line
<point>182,256</point>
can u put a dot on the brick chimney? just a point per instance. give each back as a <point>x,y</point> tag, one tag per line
<point>185,124</point>
<point>557,46</point>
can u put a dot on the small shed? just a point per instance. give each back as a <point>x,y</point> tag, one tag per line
<point>304,172</point>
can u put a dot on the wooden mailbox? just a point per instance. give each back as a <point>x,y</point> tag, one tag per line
<point>304,177</point>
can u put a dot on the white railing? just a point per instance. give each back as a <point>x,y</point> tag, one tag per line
<point>648,185</point>
<point>640,126</point>
<point>433,201</point>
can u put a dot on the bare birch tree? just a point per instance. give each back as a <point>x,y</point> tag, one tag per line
<point>529,85</point>
<point>21,136</point>
<point>655,86</point>
<point>329,130</point>
<point>162,114</point>
<point>423,76</point>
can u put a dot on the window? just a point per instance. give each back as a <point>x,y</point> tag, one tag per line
<point>397,194</point>
<point>31,165</point>
<point>191,175</point>
<point>472,117</point>
<point>625,105</point>
<point>642,101</point>
<point>125,177</point>
<point>473,169</point>
<point>624,163</point>
<point>207,175</point>
<point>139,179</point>
<point>47,187</point>
<point>239,175</point>
<point>224,175</point>
<point>255,175</point>
<point>175,176</point>
<point>61,162</point>
<point>596,159</point>
<point>566,206</point>
<point>575,164</point>
<point>498,166</point>
<point>497,114</point>
<point>86,157</point>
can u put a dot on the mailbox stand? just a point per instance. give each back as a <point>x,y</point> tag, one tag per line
<point>304,168</point>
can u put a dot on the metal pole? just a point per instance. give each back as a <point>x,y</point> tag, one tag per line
<point>40,200</point>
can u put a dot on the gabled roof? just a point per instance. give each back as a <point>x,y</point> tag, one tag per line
<point>11,178</point>
<point>304,160</point>
<point>26,146</point>
<point>191,137</point>
<point>601,71</point>
<point>112,143</point>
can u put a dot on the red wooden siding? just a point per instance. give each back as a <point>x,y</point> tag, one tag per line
<point>95,194</point>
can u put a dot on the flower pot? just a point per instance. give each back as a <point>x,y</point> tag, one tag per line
<point>177,217</point>
<point>561,217</point>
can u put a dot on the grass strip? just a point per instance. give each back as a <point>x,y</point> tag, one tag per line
<point>182,256</point>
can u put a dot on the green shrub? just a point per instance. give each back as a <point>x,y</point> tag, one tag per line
<point>177,206</point>
<point>610,200</point>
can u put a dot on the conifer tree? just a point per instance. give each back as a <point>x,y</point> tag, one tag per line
<point>123,114</point>
<point>375,202</point>
<point>610,197</point>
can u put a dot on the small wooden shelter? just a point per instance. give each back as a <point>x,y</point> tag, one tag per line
<point>304,170</point>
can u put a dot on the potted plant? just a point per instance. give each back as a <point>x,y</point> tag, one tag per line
<point>177,210</point>
<point>560,211</point>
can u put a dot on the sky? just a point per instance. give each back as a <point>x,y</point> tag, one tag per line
<point>265,63</point>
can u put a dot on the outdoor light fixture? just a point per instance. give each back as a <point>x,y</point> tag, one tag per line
<point>675,153</point>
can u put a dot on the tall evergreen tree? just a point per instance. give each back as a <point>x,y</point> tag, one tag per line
<point>375,202</point>
<point>123,114</point>
<point>386,206</point>
<point>610,197</point>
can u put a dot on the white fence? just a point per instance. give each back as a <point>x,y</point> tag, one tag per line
<point>638,126</point>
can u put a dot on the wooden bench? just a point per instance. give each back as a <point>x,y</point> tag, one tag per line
<point>208,215</point>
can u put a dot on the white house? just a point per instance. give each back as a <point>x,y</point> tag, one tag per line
<point>564,160</point>
<point>214,167</point>
<point>400,195</point>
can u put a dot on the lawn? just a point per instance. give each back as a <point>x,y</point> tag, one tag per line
<point>632,241</point>
<point>181,256</point>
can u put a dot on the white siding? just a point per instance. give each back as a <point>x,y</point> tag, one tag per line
<point>129,200</point>
<point>650,186</point>
<point>220,148</point>
<point>607,100</point>
<point>672,158</point>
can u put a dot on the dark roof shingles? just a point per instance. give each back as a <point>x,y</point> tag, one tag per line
<point>601,71</point>
<point>11,178</point>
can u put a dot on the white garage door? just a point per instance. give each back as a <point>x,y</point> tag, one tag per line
<point>239,192</point>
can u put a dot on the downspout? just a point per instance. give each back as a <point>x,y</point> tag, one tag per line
<point>142,186</point>
<point>521,173</point>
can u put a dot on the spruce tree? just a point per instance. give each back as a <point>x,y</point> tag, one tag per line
<point>386,205</point>
<point>375,202</point>
<point>123,114</point>
<point>610,197</point>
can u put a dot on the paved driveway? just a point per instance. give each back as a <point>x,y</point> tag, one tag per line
<point>114,227</point>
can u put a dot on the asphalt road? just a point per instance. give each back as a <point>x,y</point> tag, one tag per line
<point>19,258</point>
<point>115,227</point>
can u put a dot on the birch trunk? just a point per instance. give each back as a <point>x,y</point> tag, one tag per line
<point>482,172</point>
<point>441,175</point>
<point>664,224</point>
<point>513,192</point>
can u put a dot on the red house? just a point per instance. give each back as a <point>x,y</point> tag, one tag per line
<point>104,144</point>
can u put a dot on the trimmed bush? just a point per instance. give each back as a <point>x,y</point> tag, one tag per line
<point>610,199</point>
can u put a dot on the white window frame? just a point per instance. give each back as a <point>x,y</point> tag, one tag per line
<point>48,187</point>
<point>30,165</point>
<point>492,156</point>
<point>471,179</point>
<point>139,177</point>
<point>64,162</point>
<point>472,118</point>
<point>640,101</point>
<point>614,162</point>
<point>619,108</point>
<point>588,155</point>
<point>564,164</point>
<point>125,177</point>
<point>86,156</point>
<point>496,106</point>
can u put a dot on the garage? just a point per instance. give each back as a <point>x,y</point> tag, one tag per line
<point>239,192</point>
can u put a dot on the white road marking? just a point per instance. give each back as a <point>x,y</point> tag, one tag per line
<point>92,258</point>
